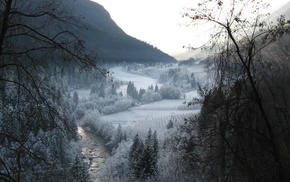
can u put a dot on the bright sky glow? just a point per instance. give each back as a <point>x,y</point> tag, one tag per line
<point>159,22</point>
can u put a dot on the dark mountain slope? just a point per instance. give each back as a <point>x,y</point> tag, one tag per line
<point>109,41</point>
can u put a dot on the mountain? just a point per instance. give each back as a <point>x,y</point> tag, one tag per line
<point>109,41</point>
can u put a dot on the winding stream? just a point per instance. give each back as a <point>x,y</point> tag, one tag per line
<point>93,149</point>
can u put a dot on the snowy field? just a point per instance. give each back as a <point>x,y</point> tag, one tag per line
<point>140,81</point>
<point>154,115</point>
<point>160,109</point>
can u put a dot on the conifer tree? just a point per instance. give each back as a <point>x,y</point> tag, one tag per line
<point>141,92</point>
<point>102,90</point>
<point>93,90</point>
<point>143,158</point>
<point>135,158</point>
<point>116,139</point>
<point>124,136</point>
<point>146,158</point>
<point>154,151</point>
<point>156,88</point>
<point>113,89</point>
<point>75,99</point>
<point>79,171</point>
<point>169,124</point>
<point>132,91</point>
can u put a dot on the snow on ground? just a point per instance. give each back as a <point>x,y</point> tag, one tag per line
<point>155,109</point>
<point>140,121</point>
<point>140,81</point>
<point>154,115</point>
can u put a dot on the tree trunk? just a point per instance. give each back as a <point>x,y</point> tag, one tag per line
<point>4,25</point>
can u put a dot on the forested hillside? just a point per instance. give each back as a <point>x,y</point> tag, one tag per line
<point>38,139</point>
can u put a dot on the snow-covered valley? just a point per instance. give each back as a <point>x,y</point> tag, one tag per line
<point>153,115</point>
<point>139,118</point>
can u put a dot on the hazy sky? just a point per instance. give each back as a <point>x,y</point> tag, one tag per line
<point>159,22</point>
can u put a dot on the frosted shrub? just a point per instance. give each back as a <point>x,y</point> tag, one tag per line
<point>109,110</point>
<point>89,105</point>
<point>124,104</point>
<point>106,101</point>
<point>90,119</point>
<point>120,105</point>
<point>116,168</point>
<point>105,131</point>
<point>169,92</point>
<point>74,149</point>
<point>150,96</point>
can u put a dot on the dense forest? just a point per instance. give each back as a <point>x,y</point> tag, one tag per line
<point>238,129</point>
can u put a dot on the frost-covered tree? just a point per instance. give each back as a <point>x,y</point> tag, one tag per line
<point>132,91</point>
<point>169,92</point>
<point>169,124</point>
<point>135,153</point>
<point>156,88</point>
<point>150,87</point>
<point>117,167</point>
<point>102,92</point>
<point>40,137</point>
<point>144,157</point>
<point>113,90</point>
<point>94,90</point>
<point>75,99</point>
<point>150,96</point>
<point>37,42</point>
<point>155,152</point>
<point>117,138</point>
<point>79,171</point>
<point>141,92</point>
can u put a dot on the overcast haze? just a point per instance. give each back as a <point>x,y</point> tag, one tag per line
<point>159,22</point>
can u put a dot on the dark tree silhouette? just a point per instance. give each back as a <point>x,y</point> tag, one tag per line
<point>237,118</point>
